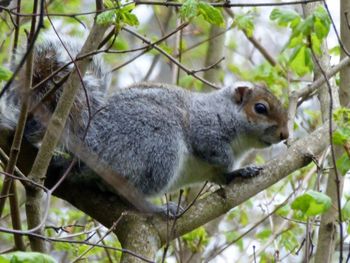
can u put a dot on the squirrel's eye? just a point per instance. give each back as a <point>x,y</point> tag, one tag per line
<point>260,108</point>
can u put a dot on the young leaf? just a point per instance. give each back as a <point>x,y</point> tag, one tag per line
<point>5,74</point>
<point>312,203</point>
<point>211,14</point>
<point>189,9</point>
<point>343,164</point>
<point>346,210</point>
<point>296,40</point>
<point>316,44</point>
<point>245,22</point>
<point>300,61</point>
<point>264,234</point>
<point>129,19</point>
<point>335,51</point>
<point>341,135</point>
<point>321,15</point>
<point>106,18</point>
<point>320,28</point>
<point>285,17</point>
<point>197,239</point>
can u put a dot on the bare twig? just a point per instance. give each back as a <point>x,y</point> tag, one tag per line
<point>188,71</point>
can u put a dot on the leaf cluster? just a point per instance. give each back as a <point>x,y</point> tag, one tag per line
<point>306,38</point>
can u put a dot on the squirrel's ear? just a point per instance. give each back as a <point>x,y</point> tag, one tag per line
<point>241,94</point>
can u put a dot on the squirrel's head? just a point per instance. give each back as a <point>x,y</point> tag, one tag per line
<point>264,116</point>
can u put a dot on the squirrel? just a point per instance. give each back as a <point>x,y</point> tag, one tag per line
<point>159,137</point>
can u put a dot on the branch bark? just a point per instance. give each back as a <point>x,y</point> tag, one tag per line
<point>102,203</point>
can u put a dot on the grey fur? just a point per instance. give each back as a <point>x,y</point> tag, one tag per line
<point>160,137</point>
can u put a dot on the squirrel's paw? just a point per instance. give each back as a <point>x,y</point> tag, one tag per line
<point>249,171</point>
<point>171,210</point>
<point>245,172</point>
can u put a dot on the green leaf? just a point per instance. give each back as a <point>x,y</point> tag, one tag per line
<point>5,74</point>
<point>26,257</point>
<point>316,44</point>
<point>106,18</point>
<point>320,29</point>
<point>243,218</point>
<point>300,61</point>
<point>341,135</point>
<point>109,3</point>
<point>196,239</point>
<point>346,210</point>
<point>211,14</point>
<point>335,51</point>
<point>343,164</point>
<point>284,210</point>
<point>296,40</point>
<point>321,15</point>
<point>312,203</point>
<point>245,22</point>
<point>285,17</point>
<point>129,19</point>
<point>289,241</point>
<point>264,234</point>
<point>189,9</point>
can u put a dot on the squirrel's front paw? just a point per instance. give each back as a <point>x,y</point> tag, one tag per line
<point>245,172</point>
<point>249,171</point>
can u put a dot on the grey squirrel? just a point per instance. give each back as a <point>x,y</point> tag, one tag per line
<point>159,137</point>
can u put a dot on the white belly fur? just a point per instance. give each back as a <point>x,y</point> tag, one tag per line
<point>191,170</point>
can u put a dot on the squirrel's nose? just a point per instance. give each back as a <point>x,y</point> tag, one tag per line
<point>284,134</point>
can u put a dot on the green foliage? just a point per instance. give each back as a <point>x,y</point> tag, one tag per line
<point>272,76</point>
<point>307,36</point>
<point>343,164</point>
<point>283,211</point>
<point>342,118</point>
<point>26,257</point>
<point>289,241</point>
<point>346,211</point>
<point>335,51</point>
<point>189,9</point>
<point>264,234</point>
<point>5,74</point>
<point>120,16</point>
<point>285,17</point>
<point>266,258</point>
<point>245,22</point>
<point>301,60</point>
<point>211,14</point>
<point>312,203</point>
<point>193,8</point>
<point>196,240</point>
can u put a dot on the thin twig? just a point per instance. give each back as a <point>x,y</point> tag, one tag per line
<point>188,71</point>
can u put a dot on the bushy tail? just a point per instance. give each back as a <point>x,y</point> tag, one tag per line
<point>51,67</point>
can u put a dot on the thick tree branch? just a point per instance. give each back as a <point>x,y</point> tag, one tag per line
<point>102,203</point>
